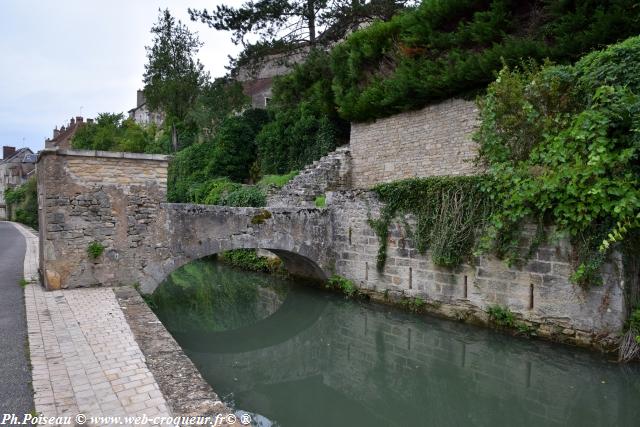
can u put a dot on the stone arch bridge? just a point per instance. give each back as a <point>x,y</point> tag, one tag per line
<point>118,201</point>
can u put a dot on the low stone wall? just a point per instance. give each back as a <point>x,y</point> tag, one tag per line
<point>540,293</point>
<point>433,141</point>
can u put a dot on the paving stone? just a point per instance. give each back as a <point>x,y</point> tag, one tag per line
<point>85,358</point>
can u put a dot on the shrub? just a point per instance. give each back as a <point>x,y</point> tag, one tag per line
<point>343,285</point>
<point>197,170</point>
<point>216,191</point>
<point>579,169</point>
<point>414,305</point>
<point>112,132</point>
<point>445,49</point>
<point>246,195</point>
<point>501,316</point>
<point>22,203</point>
<point>320,201</point>
<point>304,125</point>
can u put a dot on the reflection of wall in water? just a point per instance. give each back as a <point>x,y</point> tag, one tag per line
<point>440,370</point>
<point>269,301</point>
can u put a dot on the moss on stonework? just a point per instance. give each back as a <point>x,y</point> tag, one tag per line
<point>261,217</point>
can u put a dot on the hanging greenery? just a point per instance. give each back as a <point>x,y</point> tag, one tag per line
<point>450,213</point>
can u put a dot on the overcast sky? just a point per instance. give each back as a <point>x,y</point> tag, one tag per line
<point>64,58</point>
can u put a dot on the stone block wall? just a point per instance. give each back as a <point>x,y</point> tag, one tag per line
<point>105,197</point>
<point>540,293</point>
<point>433,141</point>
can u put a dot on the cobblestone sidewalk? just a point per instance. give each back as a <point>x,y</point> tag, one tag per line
<point>84,356</point>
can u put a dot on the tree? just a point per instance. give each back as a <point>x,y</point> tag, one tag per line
<point>111,132</point>
<point>218,100</point>
<point>286,26</point>
<point>173,76</point>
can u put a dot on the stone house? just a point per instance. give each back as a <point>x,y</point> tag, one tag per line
<point>141,113</point>
<point>16,167</point>
<point>62,137</point>
<point>257,81</point>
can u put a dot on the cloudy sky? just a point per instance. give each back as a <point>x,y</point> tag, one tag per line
<point>69,57</point>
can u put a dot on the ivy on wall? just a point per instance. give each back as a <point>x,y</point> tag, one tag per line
<point>450,213</point>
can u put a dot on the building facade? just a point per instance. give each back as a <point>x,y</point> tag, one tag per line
<point>62,137</point>
<point>16,167</point>
<point>141,113</point>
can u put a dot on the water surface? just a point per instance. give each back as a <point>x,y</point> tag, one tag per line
<point>295,356</point>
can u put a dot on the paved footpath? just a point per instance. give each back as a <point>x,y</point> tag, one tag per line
<point>84,357</point>
<point>15,393</point>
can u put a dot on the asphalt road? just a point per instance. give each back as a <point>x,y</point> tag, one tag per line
<point>15,378</point>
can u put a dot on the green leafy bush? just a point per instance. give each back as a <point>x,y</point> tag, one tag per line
<point>501,316</point>
<point>320,201</point>
<point>579,169</point>
<point>304,123</point>
<point>246,195</point>
<point>22,203</point>
<point>445,49</point>
<point>196,170</point>
<point>414,305</point>
<point>111,132</point>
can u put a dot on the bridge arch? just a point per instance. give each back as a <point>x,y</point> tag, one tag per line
<point>298,237</point>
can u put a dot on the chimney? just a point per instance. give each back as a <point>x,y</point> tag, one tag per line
<point>72,122</point>
<point>79,119</point>
<point>56,132</point>
<point>8,152</point>
<point>89,121</point>
<point>139,98</point>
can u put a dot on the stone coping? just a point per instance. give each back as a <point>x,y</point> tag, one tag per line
<point>104,154</point>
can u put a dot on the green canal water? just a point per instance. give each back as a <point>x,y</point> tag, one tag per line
<point>291,355</point>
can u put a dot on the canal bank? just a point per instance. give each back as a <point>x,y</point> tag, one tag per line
<point>287,356</point>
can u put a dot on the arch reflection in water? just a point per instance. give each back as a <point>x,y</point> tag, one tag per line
<point>321,360</point>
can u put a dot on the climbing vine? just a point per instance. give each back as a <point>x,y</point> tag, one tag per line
<point>450,212</point>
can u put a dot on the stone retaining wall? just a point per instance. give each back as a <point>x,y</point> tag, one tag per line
<point>433,141</point>
<point>539,293</point>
